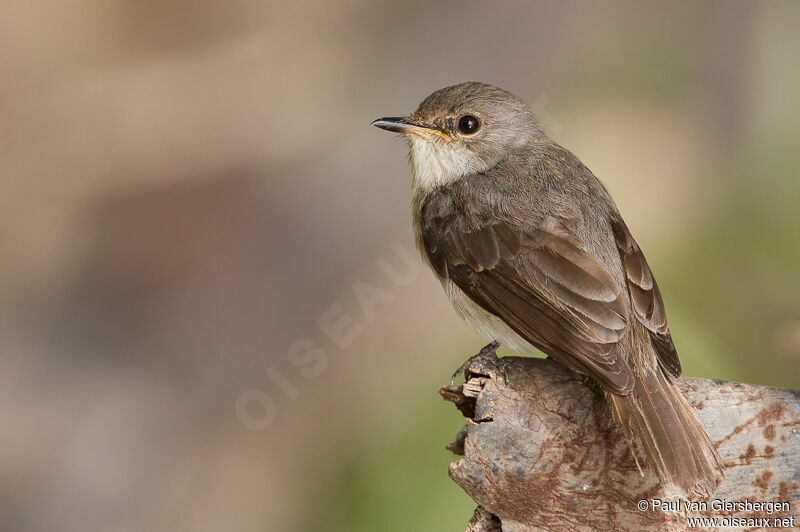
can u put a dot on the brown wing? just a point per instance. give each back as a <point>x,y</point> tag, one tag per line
<point>646,298</point>
<point>540,281</point>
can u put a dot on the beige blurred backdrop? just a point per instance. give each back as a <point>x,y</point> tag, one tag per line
<point>212,316</point>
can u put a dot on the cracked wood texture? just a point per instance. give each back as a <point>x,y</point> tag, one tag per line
<point>541,452</point>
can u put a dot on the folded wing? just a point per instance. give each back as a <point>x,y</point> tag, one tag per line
<point>541,281</point>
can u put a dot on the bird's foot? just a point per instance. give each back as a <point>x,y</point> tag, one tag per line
<point>486,362</point>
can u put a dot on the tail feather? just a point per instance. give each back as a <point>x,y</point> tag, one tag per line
<point>677,446</point>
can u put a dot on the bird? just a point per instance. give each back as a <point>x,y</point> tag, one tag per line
<point>533,254</point>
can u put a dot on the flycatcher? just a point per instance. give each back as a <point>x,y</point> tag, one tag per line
<point>533,254</point>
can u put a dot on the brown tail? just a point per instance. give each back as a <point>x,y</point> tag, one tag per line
<point>676,444</point>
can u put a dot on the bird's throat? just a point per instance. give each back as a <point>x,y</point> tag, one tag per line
<point>436,163</point>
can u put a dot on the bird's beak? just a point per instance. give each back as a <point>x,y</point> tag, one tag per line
<point>408,126</point>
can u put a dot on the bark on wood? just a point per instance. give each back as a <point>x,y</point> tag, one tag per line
<point>541,452</point>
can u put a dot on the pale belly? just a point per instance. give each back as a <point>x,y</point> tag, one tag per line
<point>487,325</point>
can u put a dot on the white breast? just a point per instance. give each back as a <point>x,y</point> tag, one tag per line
<point>435,164</point>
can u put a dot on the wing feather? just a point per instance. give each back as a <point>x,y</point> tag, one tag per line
<point>541,281</point>
<point>648,306</point>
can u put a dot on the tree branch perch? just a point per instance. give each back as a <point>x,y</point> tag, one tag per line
<point>541,452</point>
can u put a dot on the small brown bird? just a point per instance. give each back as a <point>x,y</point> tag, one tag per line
<point>533,254</point>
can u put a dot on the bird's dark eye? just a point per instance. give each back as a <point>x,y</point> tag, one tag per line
<point>468,124</point>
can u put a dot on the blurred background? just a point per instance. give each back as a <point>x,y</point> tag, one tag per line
<point>212,315</point>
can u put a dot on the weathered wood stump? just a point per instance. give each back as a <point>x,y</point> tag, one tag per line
<point>541,452</point>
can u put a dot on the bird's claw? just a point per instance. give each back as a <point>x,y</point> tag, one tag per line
<point>486,362</point>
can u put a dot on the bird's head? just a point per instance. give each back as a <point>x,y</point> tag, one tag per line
<point>461,130</point>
